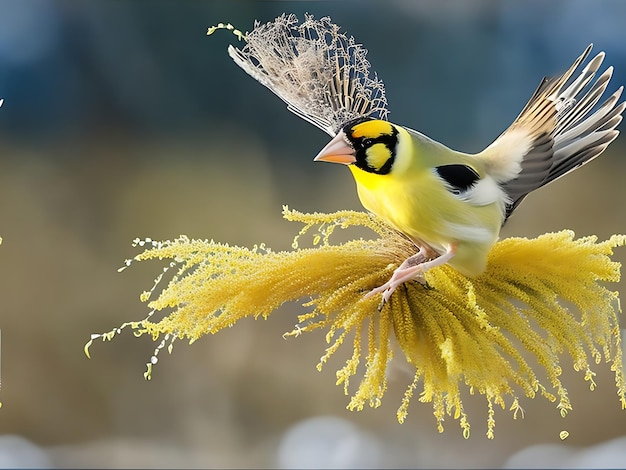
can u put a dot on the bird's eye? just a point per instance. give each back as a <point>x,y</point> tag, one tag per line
<point>367,142</point>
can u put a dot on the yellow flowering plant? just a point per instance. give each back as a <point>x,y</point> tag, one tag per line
<point>542,297</point>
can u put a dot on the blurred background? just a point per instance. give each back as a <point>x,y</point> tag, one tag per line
<point>122,119</point>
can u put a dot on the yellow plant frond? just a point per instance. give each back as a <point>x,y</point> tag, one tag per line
<point>545,297</point>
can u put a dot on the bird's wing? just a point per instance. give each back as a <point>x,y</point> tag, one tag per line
<point>560,129</point>
<point>320,73</point>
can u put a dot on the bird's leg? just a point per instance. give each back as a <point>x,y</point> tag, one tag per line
<point>411,268</point>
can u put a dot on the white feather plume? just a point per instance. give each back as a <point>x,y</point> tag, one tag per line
<point>320,73</point>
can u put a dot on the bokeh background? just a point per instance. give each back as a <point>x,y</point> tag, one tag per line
<point>122,119</point>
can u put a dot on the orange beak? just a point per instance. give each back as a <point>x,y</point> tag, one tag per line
<point>337,150</point>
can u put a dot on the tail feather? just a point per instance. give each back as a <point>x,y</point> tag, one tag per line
<point>608,116</point>
<point>560,129</point>
<point>571,114</point>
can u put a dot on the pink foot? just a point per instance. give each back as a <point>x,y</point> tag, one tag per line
<point>411,268</point>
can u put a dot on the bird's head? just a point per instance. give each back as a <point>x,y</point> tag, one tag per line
<point>369,144</point>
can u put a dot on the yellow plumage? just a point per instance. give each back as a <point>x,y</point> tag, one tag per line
<point>415,202</point>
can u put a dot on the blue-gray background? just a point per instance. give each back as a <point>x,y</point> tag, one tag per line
<point>123,119</point>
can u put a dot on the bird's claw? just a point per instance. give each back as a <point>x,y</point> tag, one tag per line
<point>412,268</point>
<point>399,277</point>
<point>386,289</point>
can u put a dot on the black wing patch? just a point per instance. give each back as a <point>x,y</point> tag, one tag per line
<point>459,177</point>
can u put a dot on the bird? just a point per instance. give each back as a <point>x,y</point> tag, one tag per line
<point>452,204</point>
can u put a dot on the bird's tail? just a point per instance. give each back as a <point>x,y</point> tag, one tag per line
<point>561,128</point>
<point>578,135</point>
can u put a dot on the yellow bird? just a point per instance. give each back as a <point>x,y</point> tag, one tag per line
<point>453,204</point>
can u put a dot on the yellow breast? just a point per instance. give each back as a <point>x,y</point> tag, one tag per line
<point>422,208</point>
<point>405,204</point>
